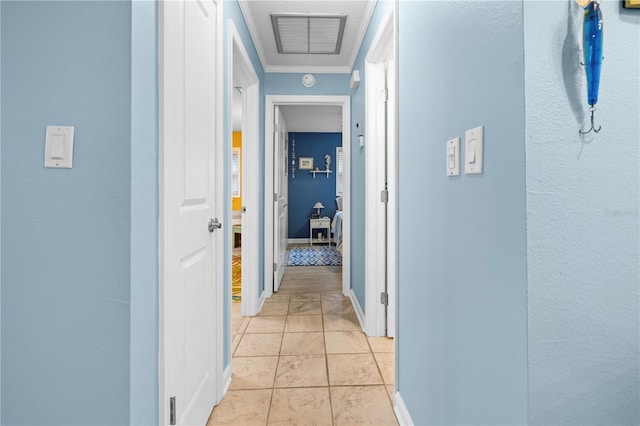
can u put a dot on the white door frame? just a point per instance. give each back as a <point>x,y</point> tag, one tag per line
<point>164,223</point>
<point>270,102</point>
<point>241,70</point>
<point>381,50</point>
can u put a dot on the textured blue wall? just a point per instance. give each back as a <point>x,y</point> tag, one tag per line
<point>304,190</point>
<point>144,214</point>
<point>66,233</point>
<point>462,241</point>
<point>583,220</point>
<point>357,157</point>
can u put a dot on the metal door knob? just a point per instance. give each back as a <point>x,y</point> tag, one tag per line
<point>214,224</point>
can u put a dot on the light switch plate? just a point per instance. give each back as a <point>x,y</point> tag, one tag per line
<point>453,157</point>
<point>473,150</point>
<point>58,148</point>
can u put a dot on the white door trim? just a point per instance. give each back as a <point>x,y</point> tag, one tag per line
<point>381,51</point>
<point>270,102</point>
<point>241,70</point>
<point>164,220</point>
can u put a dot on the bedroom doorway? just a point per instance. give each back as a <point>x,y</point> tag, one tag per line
<point>298,102</point>
<point>243,229</point>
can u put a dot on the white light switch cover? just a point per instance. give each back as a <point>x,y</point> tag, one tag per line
<point>453,157</point>
<point>58,148</point>
<point>473,150</point>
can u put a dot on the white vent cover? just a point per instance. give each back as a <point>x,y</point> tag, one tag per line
<point>315,33</point>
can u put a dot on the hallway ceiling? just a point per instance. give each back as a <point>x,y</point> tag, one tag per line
<point>258,15</point>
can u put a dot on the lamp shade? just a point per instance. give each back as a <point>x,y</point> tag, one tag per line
<point>318,205</point>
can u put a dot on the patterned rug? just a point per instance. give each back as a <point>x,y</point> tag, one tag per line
<point>314,256</point>
<point>236,280</point>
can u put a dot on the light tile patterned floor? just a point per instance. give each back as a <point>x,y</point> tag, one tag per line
<point>305,361</point>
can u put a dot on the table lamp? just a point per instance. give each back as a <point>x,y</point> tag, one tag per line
<point>318,206</point>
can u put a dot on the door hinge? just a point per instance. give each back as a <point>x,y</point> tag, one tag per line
<point>384,298</point>
<point>384,196</point>
<point>172,410</point>
<point>275,197</point>
<point>275,266</point>
<point>385,95</point>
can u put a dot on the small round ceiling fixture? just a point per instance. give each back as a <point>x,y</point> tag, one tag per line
<point>308,80</point>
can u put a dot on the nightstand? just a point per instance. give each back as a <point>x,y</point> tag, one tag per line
<point>321,223</point>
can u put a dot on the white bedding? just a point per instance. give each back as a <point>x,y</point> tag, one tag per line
<point>336,229</point>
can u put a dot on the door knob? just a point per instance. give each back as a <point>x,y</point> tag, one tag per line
<point>214,224</point>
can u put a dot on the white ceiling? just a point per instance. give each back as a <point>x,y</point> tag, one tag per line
<point>311,118</point>
<point>257,15</point>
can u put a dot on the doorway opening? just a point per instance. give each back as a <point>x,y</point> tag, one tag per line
<point>272,104</point>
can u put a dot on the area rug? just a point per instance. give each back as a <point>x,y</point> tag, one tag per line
<point>314,256</point>
<point>236,277</point>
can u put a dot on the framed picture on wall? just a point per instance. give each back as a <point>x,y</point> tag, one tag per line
<point>305,163</point>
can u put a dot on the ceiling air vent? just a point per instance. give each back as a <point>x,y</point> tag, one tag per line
<point>315,33</point>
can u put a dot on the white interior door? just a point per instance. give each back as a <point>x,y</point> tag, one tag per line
<point>187,130</point>
<point>280,206</point>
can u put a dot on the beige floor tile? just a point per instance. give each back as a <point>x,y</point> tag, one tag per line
<point>274,324</point>
<point>304,308</point>
<point>353,369</point>
<point>313,297</point>
<point>259,345</point>
<point>236,341</point>
<point>386,363</point>
<point>341,322</point>
<point>299,323</point>
<point>390,393</point>
<point>337,307</point>
<point>278,298</point>
<point>253,372</point>
<point>346,342</point>
<point>361,405</point>
<point>269,309</point>
<point>242,407</point>
<point>301,371</point>
<point>244,325</point>
<point>303,344</point>
<point>333,297</point>
<point>300,406</point>
<point>381,344</point>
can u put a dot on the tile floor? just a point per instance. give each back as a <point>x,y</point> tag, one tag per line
<point>304,360</point>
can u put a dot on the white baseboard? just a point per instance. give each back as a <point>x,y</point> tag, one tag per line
<point>260,302</point>
<point>357,308</point>
<point>226,381</point>
<point>298,241</point>
<point>402,414</point>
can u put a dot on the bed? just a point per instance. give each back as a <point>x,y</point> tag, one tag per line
<point>336,225</point>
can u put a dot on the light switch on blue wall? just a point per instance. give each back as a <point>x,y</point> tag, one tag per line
<point>473,153</point>
<point>59,147</point>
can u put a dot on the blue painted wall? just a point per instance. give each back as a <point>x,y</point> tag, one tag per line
<point>582,220</point>
<point>232,13</point>
<point>462,241</point>
<point>304,189</point>
<point>291,84</point>
<point>144,215</point>
<point>66,233</point>
<point>358,123</point>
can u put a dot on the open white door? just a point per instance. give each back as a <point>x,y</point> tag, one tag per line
<point>187,74</point>
<point>280,206</point>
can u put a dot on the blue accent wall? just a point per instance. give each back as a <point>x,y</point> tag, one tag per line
<point>66,232</point>
<point>462,334</point>
<point>582,220</point>
<point>304,189</point>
